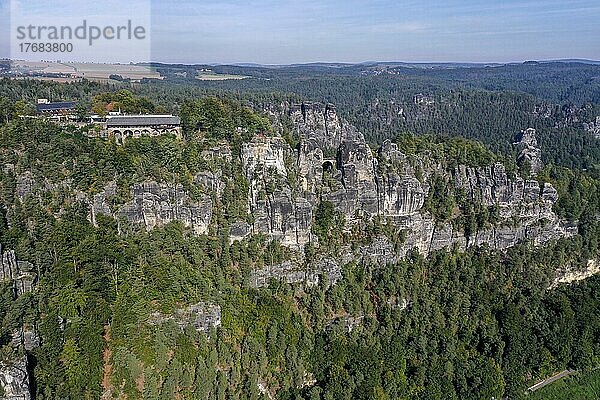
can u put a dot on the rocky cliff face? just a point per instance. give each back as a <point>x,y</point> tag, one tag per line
<point>20,273</point>
<point>276,209</point>
<point>14,380</point>
<point>572,274</point>
<point>321,124</point>
<point>332,162</point>
<point>156,204</point>
<point>525,207</point>
<point>365,184</point>
<point>529,151</point>
<point>201,316</point>
<point>293,272</point>
<point>362,184</point>
<point>593,127</point>
<point>14,375</point>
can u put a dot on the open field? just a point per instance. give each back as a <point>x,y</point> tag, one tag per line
<point>87,70</point>
<point>51,79</point>
<point>212,76</point>
<point>577,387</point>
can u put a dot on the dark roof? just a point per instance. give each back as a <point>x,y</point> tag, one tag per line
<point>63,105</point>
<point>142,120</point>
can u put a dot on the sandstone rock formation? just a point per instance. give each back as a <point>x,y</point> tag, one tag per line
<point>201,316</point>
<point>363,184</point>
<point>14,379</point>
<point>25,185</point>
<point>26,338</point>
<point>332,162</point>
<point>20,273</point>
<point>529,151</point>
<point>593,127</point>
<point>321,124</point>
<point>571,274</point>
<point>210,182</point>
<point>295,272</point>
<point>156,204</point>
<point>288,271</point>
<point>275,208</point>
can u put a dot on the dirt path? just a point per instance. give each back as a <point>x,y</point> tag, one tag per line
<point>550,380</point>
<point>107,366</point>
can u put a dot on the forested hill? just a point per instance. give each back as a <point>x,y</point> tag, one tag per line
<point>559,82</point>
<point>273,252</point>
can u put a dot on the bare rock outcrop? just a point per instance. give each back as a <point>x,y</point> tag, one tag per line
<point>20,273</point>
<point>294,271</point>
<point>529,151</point>
<point>593,127</point>
<point>334,163</point>
<point>320,123</point>
<point>210,182</point>
<point>276,209</point>
<point>156,204</point>
<point>14,379</point>
<point>358,193</point>
<point>572,274</point>
<point>14,376</point>
<point>201,316</point>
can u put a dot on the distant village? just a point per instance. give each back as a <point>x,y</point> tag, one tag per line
<point>115,124</point>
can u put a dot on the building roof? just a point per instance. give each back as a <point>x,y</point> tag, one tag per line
<point>63,105</point>
<point>142,120</point>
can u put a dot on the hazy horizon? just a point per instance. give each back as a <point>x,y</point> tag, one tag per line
<point>283,32</point>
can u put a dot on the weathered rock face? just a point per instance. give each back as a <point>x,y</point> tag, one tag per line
<point>20,273</point>
<point>25,185</point>
<point>593,127</point>
<point>525,207</point>
<point>320,123</point>
<point>362,186</point>
<point>380,252</point>
<point>288,271</point>
<point>220,152</point>
<point>264,154</point>
<point>210,182</point>
<point>201,316</point>
<point>333,162</point>
<point>530,153</point>
<point>358,195</point>
<point>573,274</point>
<point>400,193</point>
<point>276,210</point>
<point>282,217</point>
<point>14,379</point>
<point>26,338</point>
<point>310,166</point>
<point>525,211</point>
<point>293,272</point>
<point>156,204</point>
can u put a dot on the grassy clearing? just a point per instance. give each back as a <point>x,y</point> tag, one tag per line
<point>211,76</point>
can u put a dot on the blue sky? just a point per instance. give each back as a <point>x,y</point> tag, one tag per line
<point>277,32</point>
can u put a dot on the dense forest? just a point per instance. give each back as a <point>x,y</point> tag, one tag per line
<point>458,324</point>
